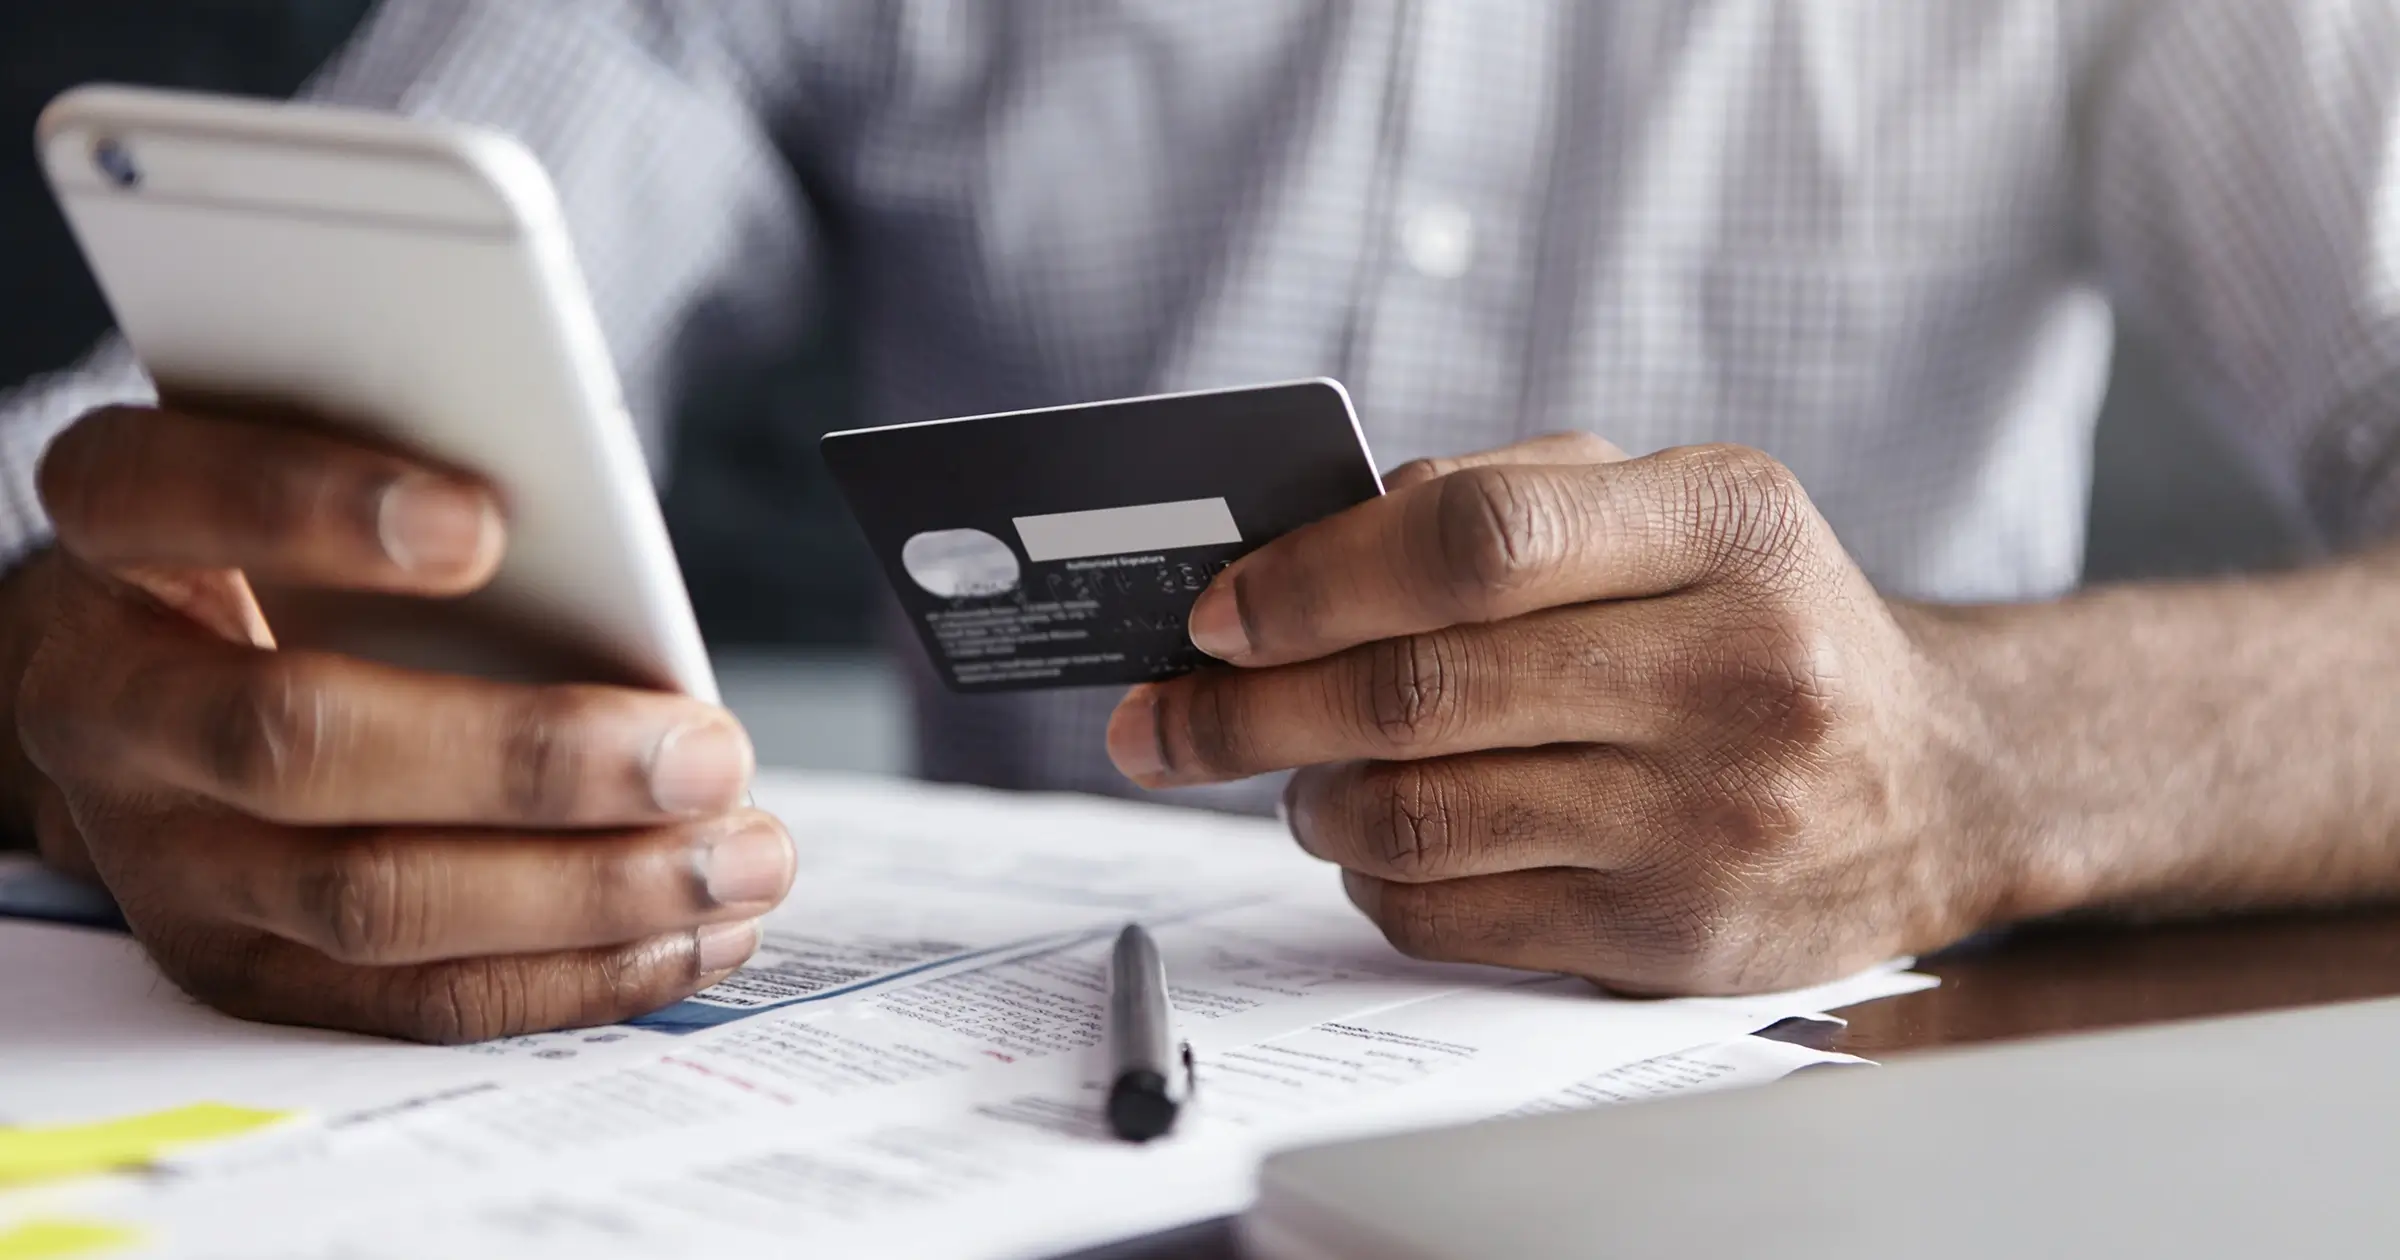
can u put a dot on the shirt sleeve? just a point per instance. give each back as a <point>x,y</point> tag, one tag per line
<point>2243,176</point>
<point>655,120</point>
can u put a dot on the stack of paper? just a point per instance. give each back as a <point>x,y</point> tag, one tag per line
<point>913,1063</point>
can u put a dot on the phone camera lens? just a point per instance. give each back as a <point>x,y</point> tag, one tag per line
<point>117,164</point>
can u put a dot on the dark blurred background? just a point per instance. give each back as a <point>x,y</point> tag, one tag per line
<point>770,559</point>
<point>773,565</point>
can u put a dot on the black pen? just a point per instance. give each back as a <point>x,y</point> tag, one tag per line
<point>1150,1073</point>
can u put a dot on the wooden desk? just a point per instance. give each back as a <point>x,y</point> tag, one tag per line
<point>2066,979</point>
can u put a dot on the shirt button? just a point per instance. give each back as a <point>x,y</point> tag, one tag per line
<point>1439,241</point>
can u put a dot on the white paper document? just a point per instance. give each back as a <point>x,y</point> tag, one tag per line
<point>1733,1064</point>
<point>914,1066</point>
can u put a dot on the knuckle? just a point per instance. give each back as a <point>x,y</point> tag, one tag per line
<point>481,998</point>
<point>1695,937</point>
<point>1747,507</point>
<point>360,907</point>
<point>1422,923</point>
<point>476,999</point>
<point>225,971</point>
<point>1414,692</point>
<point>613,884</point>
<point>1588,657</point>
<point>1778,681</point>
<point>545,763</point>
<point>1496,529</point>
<point>1715,951</point>
<point>1216,736</point>
<point>1750,824</point>
<point>617,984</point>
<point>263,732</point>
<point>1798,705</point>
<point>1415,822</point>
<point>457,1004</point>
<point>1281,609</point>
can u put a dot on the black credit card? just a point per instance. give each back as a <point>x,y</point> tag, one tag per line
<point>1064,547</point>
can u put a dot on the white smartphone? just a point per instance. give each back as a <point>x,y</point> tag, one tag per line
<point>411,283</point>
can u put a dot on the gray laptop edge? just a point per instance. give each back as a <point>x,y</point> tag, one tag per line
<point>2260,1135</point>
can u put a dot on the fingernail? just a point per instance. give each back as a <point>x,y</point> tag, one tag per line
<point>1133,734</point>
<point>725,946</point>
<point>701,767</point>
<point>433,523</point>
<point>752,864</point>
<point>1216,622</point>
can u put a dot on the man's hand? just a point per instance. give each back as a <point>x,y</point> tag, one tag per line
<point>1639,720</point>
<point>305,838</point>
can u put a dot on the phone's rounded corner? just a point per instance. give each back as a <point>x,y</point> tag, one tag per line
<point>64,130</point>
<point>511,169</point>
<point>70,111</point>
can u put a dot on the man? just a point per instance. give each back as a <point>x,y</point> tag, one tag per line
<point>1721,717</point>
